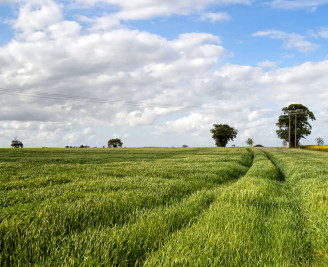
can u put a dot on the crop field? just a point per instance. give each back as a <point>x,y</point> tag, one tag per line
<point>315,147</point>
<point>163,207</point>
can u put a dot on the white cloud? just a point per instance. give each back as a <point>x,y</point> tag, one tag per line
<point>268,64</point>
<point>176,88</point>
<point>290,40</point>
<point>146,9</point>
<point>35,15</point>
<point>215,17</point>
<point>151,75</point>
<point>323,33</point>
<point>297,4</point>
<point>191,123</point>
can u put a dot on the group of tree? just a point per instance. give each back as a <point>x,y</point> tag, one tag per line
<point>293,123</point>
<point>81,146</point>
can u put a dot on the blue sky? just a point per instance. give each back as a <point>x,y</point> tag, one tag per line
<point>165,70</point>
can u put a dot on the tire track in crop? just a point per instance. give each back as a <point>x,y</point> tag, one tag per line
<point>197,206</point>
<point>219,188</point>
<point>281,177</point>
<point>163,225</point>
<point>257,221</point>
<point>290,191</point>
<point>135,240</point>
<point>180,220</point>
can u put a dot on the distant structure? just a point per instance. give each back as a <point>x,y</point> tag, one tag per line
<point>16,144</point>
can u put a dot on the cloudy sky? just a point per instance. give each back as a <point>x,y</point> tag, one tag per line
<point>159,72</point>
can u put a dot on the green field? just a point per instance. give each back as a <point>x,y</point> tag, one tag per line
<point>163,207</point>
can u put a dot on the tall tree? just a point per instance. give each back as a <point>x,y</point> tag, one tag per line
<point>116,142</point>
<point>303,127</point>
<point>222,134</point>
<point>16,144</point>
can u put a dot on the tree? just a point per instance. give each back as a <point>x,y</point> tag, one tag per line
<point>249,141</point>
<point>302,115</point>
<point>116,142</point>
<point>258,145</point>
<point>16,144</point>
<point>222,133</point>
<point>319,141</point>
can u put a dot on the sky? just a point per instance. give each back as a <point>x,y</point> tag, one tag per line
<point>159,72</point>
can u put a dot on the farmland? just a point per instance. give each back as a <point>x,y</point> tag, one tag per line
<point>164,207</point>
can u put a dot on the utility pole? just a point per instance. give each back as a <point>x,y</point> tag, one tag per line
<point>295,130</point>
<point>289,139</point>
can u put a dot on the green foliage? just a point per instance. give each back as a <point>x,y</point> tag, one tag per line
<point>258,145</point>
<point>222,134</point>
<point>303,126</point>
<point>249,141</point>
<point>319,141</point>
<point>16,144</point>
<point>116,142</point>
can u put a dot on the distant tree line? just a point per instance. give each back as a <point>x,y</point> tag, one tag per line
<point>293,125</point>
<point>81,146</point>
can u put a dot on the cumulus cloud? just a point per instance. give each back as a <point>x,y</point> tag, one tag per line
<point>35,15</point>
<point>191,123</point>
<point>290,40</point>
<point>58,71</point>
<point>73,86</point>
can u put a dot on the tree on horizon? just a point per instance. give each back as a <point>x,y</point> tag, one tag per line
<point>222,134</point>
<point>303,128</point>
<point>116,142</point>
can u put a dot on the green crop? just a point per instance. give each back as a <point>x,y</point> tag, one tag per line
<point>52,204</point>
<point>255,222</point>
<point>163,207</point>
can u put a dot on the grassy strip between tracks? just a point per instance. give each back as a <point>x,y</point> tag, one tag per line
<point>308,172</point>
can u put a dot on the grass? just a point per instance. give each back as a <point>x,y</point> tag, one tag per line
<point>163,207</point>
